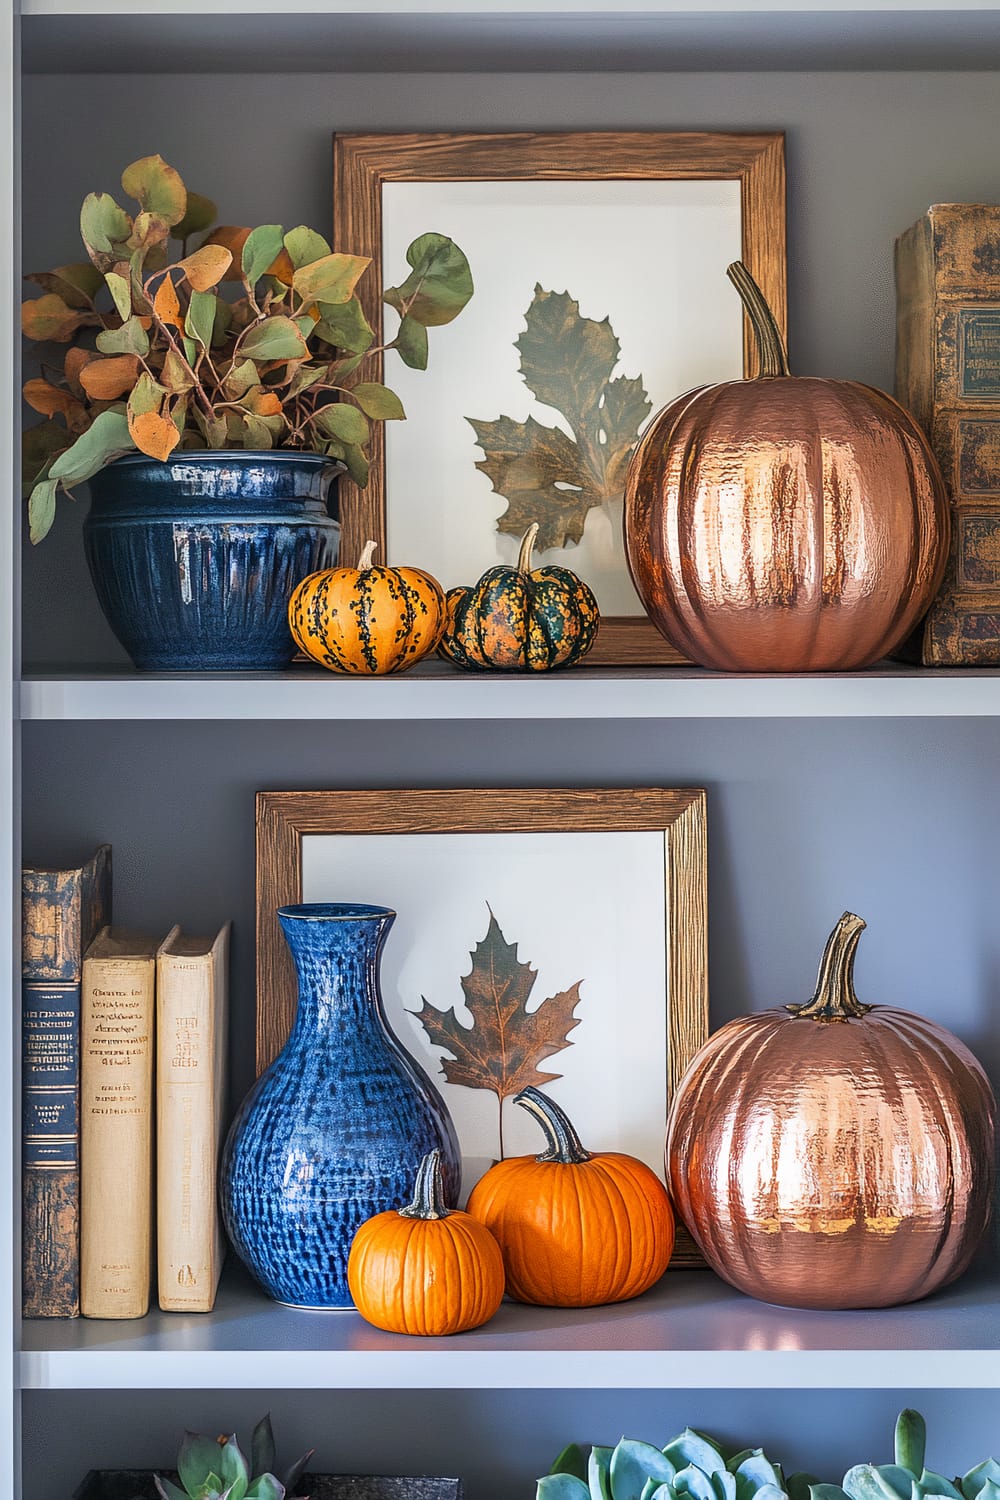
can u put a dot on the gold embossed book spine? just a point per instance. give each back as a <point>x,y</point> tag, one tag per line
<point>948,376</point>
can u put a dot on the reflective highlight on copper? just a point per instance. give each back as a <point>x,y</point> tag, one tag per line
<point>834,1162</point>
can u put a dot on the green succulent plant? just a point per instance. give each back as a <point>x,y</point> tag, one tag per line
<point>908,1479</point>
<point>691,1467</point>
<point>217,1469</point>
<point>171,361</point>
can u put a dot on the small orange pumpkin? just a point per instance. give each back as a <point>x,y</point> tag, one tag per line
<point>367,621</point>
<point>575,1229</point>
<point>425,1269</point>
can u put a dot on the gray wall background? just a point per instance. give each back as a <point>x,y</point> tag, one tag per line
<point>896,819</point>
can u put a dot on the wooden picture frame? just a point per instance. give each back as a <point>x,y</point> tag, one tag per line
<point>364,164</point>
<point>286,819</point>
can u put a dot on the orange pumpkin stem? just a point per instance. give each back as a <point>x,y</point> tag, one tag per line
<point>770,345</point>
<point>527,547</point>
<point>428,1191</point>
<point>563,1142</point>
<point>367,557</point>
<point>834,998</point>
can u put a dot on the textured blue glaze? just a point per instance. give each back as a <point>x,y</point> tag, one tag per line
<point>194,560</point>
<point>334,1130</point>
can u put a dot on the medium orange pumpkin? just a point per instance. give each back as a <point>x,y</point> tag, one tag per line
<point>367,621</point>
<point>784,524</point>
<point>575,1229</point>
<point>425,1269</point>
<point>834,1154</point>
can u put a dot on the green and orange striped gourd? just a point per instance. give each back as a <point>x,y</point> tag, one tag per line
<point>516,620</point>
<point>368,620</point>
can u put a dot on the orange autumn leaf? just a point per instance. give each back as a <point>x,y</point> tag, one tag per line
<point>154,435</point>
<point>263,404</point>
<point>73,365</point>
<point>166,304</point>
<point>106,379</point>
<point>51,400</point>
<point>207,266</point>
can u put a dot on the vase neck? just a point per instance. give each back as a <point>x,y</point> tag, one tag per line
<point>337,951</point>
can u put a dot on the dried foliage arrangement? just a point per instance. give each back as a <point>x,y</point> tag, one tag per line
<point>176,362</point>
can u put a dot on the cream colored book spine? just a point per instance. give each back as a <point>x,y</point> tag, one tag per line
<point>116,1125</point>
<point>191,1044</point>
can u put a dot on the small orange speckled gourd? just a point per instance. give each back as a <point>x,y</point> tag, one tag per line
<point>575,1229</point>
<point>367,621</point>
<point>516,620</point>
<point>425,1269</point>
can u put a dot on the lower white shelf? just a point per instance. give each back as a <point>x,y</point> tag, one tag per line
<point>689,1331</point>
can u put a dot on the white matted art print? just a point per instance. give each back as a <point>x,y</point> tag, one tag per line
<point>596,302</point>
<point>597,951</point>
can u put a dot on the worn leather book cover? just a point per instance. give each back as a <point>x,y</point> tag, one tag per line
<point>61,912</point>
<point>191,1002</point>
<point>948,376</point>
<point>116,1124</point>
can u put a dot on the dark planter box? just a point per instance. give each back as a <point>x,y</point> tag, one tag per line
<point>137,1484</point>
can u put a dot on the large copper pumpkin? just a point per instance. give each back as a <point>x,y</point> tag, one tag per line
<point>834,1154</point>
<point>784,524</point>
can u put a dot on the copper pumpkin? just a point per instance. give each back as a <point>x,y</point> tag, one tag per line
<point>834,1154</point>
<point>784,524</point>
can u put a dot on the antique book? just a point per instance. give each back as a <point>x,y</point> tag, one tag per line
<point>191,985</point>
<point>116,1124</point>
<point>61,911</point>
<point>948,376</point>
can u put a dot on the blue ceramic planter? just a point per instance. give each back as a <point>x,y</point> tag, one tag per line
<point>334,1130</point>
<point>194,560</point>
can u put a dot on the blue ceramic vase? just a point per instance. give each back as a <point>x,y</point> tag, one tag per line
<point>194,559</point>
<point>335,1129</point>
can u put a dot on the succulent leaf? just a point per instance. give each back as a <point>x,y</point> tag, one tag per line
<point>755,1475</point>
<point>870,1482</point>
<point>562,1487</point>
<point>979,1478</point>
<point>910,1441</point>
<point>695,1482</point>
<point>266,1487</point>
<point>599,1473</point>
<point>692,1447</point>
<point>167,1490</point>
<point>936,1484</point>
<point>724,1485</point>
<point>633,1465</point>
<point>572,1460</point>
<point>235,1470</point>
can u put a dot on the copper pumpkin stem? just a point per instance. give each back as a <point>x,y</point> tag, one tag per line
<point>834,999</point>
<point>770,345</point>
<point>527,547</point>
<point>563,1142</point>
<point>428,1192</point>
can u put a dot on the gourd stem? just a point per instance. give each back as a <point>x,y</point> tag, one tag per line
<point>834,999</point>
<point>770,344</point>
<point>367,557</point>
<point>527,547</point>
<point>428,1191</point>
<point>563,1141</point>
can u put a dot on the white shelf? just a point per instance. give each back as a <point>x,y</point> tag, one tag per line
<point>689,1331</point>
<point>437,691</point>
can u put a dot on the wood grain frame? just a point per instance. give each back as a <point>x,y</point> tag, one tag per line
<point>284,818</point>
<point>363,163</point>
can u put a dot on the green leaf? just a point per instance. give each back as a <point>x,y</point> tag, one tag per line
<point>357,463</point>
<point>826,1492</point>
<point>754,1475</point>
<point>304,377</point>
<point>439,285</point>
<point>331,279</point>
<point>121,290</point>
<point>304,245</point>
<point>197,1458</point>
<point>345,326</point>
<point>262,1442</point>
<point>103,225</point>
<point>930,1483</point>
<point>598,1473</point>
<point>800,1484</point>
<point>572,1460</point>
<point>130,338</point>
<point>77,284</point>
<point>561,1487</point>
<point>273,338</point>
<point>235,1473</point>
<point>343,421</point>
<point>633,1464</point>
<point>239,379</point>
<point>199,320</point>
<point>106,439</point>
<point>910,1441</point>
<point>221,322</point>
<point>978,1478</point>
<point>694,1482</point>
<point>693,1448</point>
<point>410,344</point>
<point>147,395</point>
<point>266,1487</point>
<point>257,433</point>
<point>868,1482</point>
<point>545,474</point>
<point>379,402</point>
<point>724,1486</point>
<point>263,246</point>
<point>190,349</point>
<point>198,216</point>
<point>168,1490</point>
<point>41,509</point>
<point>156,187</point>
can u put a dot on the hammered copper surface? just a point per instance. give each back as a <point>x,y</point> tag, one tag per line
<point>834,1163</point>
<point>785,524</point>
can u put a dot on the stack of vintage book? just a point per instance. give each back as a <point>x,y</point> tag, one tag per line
<point>124,1042</point>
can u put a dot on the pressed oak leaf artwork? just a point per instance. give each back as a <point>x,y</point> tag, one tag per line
<point>503,1048</point>
<point>544,473</point>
